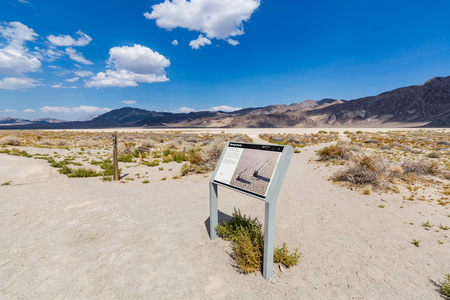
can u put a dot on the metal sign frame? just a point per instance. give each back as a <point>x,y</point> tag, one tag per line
<point>269,198</point>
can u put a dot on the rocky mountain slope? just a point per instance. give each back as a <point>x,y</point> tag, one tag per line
<point>427,104</point>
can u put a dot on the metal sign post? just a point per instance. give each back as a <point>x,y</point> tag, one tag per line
<point>255,170</point>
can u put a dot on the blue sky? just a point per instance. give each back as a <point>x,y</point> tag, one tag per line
<point>69,59</point>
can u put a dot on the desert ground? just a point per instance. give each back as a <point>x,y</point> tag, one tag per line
<point>146,236</point>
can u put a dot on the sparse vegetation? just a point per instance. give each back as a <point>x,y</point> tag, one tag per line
<point>248,243</point>
<point>416,243</point>
<point>334,152</point>
<point>445,285</point>
<point>10,140</point>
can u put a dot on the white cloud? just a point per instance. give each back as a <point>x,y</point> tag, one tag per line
<point>83,73</point>
<point>129,102</point>
<point>9,110</point>
<point>78,57</point>
<point>175,42</point>
<point>131,65</point>
<point>17,83</point>
<point>14,57</point>
<point>232,42</point>
<point>29,110</point>
<point>137,59</point>
<point>224,108</point>
<point>183,110</point>
<point>51,54</point>
<point>218,19</point>
<point>82,108</point>
<point>68,41</point>
<point>23,1</point>
<point>58,86</point>
<point>72,79</point>
<point>199,42</point>
<point>123,79</point>
<point>17,34</point>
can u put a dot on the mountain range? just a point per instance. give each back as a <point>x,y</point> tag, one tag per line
<point>426,105</point>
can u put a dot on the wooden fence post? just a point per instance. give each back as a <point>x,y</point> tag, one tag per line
<point>115,157</point>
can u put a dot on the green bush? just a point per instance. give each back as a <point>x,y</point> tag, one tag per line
<point>108,168</point>
<point>59,164</point>
<point>281,255</point>
<point>153,163</point>
<point>445,285</point>
<point>179,157</point>
<point>248,243</point>
<point>185,169</point>
<point>65,170</point>
<point>125,158</point>
<point>82,172</point>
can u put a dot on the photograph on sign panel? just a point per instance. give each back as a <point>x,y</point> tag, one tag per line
<point>254,170</point>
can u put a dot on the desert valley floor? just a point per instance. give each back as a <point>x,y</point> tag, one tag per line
<point>84,238</point>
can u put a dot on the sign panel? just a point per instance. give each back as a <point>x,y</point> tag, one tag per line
<point>248,167</point>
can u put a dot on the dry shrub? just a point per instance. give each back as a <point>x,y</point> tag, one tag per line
<point>60,143</point>
<point>125,148</point>
<point>87,144</point>
<point>421,167</point>
<point>10,140</point>
<point>175,143</point>
<point>364,171</point>
<point>45,142</point>
<point>334,152</point>
<point>396,170</point>
<point>210,155</point>
<point>147,144</point>
<point>411,178</point>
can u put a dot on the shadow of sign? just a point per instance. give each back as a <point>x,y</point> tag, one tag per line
<point>222,218</point>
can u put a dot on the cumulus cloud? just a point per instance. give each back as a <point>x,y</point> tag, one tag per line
<point>83,73</point>
<point>17,83</point>
<point>68,41</point>
<point>129,102</point>
<point>82,108</point>
<point>14,57</point>
<point>76,56</point>
<point>17,33</point>
<point>72,79</point>
<point>130,66</point>
<point>218,19</point>
<point>58,86</point>
<point>232,42</point>
<point>183,110</point>
<point>137,59</point>
<point>223,108</point>
<point>29,110</point>
<point>175,42</point>
<point>199,42</point>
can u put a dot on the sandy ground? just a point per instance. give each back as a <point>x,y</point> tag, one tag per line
<point>76,238</point>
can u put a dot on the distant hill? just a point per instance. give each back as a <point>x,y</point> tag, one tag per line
<point>18,121</point>
<point>427,104</point>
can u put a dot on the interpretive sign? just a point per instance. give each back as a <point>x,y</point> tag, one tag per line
<point>248,167</point>
<point>256,170</point>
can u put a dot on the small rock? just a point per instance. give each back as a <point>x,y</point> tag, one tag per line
<point>281,269</point>
<point>349,285</point>
<point>273,280</point>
